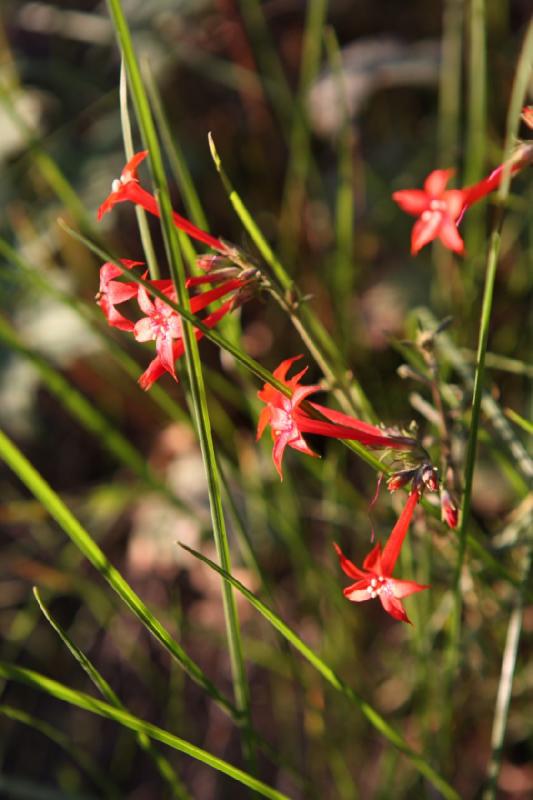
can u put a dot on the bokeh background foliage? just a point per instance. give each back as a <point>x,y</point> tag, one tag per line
<point>318,111</point>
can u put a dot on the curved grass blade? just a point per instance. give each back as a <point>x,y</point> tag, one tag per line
<point>29,476</point>
<point>318,341</point>
<point>375,719</point>
<point>64,693</point>
<point>163,765</point>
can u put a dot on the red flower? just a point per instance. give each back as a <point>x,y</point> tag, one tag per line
<point>280,411</point>
<point>128,188</point>
<point>163,325</point>
<point>288,421</point>
<point>440,210</point>
<point>437,210</point>
<point>375,579</point>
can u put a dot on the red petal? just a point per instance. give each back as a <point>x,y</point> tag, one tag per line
<point>347,566</point>
<point>262,422</point>
<point>200,301</point>
<point>281,371</point>
<point>391,551</point>
<point>372,562</point>
<point>111,200</point>
<point>405,588</point>
<point>436,181</point>
<point>153,372</point>
<point>129,173</point>
<point>449,236</point>
<point>424,231</point>
<point>393,607</point>
<point>412,201</point>
<point>358,592</point>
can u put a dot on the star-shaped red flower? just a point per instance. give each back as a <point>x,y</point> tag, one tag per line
<point>375,578</point>
<point>438,209</point>
<point>128,188</point>
<point>288,421</point>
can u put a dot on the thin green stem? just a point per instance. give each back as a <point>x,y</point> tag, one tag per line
<point>194,368</point>
<point>450,81</point>
<point>318,341</point>
<point>503,699</point>
<point>517,98</point>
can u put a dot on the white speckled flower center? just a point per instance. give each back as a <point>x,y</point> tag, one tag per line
<point>376,586</point>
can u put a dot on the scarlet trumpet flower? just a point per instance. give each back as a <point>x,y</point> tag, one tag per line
<point>375,578</point>
<point>288,421</point>
<point>161,323</point>
<point>440,210</point>
<point>128,188</point>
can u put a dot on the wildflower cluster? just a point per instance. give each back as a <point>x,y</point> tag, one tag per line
<point>161,323</point>
<point>288,409</point>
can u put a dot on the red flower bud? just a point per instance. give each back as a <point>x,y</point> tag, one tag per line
<point>448,510</point>
<point>400,479</point>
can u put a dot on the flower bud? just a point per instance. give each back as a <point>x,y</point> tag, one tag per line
<point>429,476</point>
<point>209,262</point>
<point>400,479</point>
<point>448,510</point>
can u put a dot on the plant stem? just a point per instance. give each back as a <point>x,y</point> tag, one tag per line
<point>194,368</point>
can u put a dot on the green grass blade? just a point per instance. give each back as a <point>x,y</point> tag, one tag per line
<point>313,334</point>
<point>162,764</point>
<point>450,82</point>
<point>271,68</point>
<point>210,333</point>
<point>64,693</point>
<point>525,424</point>
<point>503,700</point>
<point>177,161</point>
<point>299,156</point>
<point>194,367</point>
<point>29,476</point>
<point>519,91</point>
<point>375,719</point>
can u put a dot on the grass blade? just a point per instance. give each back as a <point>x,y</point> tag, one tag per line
<point>194,368</point>
<point>64,693</point>
<point>163,765</point>
<point>375,719</point>
<point>519,91</point>
<point>29,476</point>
